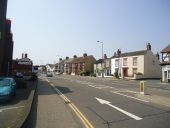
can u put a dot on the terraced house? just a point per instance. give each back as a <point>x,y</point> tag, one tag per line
<point>76,65</point>
<point>83,65</point>
<point>68,66</point>
<point>137,64</point>
<point>102,67</point>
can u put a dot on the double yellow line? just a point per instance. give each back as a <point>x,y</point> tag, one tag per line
<point>84,120</point>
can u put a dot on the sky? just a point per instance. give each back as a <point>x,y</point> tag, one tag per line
<point>51,29</point>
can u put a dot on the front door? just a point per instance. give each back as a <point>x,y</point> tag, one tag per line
<point>165,76</point>
<point>125,72</point>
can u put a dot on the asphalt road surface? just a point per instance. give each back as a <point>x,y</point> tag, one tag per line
<point>105,103</point>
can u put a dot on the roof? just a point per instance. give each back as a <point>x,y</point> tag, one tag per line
<point>69,60</point>
<point>99,61</point>
<point>51,65</point>
<point>166,49</point>
<point>82,59</point>
<point>135,53</point>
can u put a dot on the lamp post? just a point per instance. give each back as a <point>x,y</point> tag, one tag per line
<point>102,58</point>
<point>118,54</point>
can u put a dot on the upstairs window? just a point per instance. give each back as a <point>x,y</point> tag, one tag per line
<point>116,63</point>
<point>135,61</point>
<point>124,61</point>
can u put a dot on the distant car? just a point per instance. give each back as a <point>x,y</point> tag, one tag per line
<point>7,88</point>
<point>19,75</point>
<point>49,74</point>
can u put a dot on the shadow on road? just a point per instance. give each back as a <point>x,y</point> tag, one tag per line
<point>64,90</point>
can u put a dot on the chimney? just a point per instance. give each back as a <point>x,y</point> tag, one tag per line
<point>105,56</point>
<point>114,54</point>
<point>118,52</point>
<point>157,55</point>
<point>74,56</point>
<point>148,47</point>
<point>22,55</point>
<point>85,54</point>
<point>67,57</point>
<point>26,55</point>
<point>60,59</point>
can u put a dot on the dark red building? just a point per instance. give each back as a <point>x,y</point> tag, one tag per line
<point>8,49</point>
<point>3,9</point>
<point>23,65</point>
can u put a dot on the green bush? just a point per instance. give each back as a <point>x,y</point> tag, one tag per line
<point>116,75</point>
<point>139,73</point>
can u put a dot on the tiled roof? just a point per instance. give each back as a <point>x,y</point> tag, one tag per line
<point>81,59</point>
<point>135,53</point>
<point>166,49</point>
<point>69,60</point>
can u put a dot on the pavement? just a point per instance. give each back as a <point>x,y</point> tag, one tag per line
<point>14,112</point>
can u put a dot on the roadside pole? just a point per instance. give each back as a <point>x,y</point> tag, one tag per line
<point>142,87</point>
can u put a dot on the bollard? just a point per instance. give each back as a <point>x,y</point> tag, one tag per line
<point>142,87</point>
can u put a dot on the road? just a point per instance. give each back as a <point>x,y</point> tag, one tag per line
<point>104,103</point>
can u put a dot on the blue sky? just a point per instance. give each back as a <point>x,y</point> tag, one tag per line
<point>50,29</point>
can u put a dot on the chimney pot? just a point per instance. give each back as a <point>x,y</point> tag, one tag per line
<point>67,58</point>
<point>148,46</point>
<point>26,55</point>
<point>74,56</point>
<point>105,56</point>
<point>85,54</point>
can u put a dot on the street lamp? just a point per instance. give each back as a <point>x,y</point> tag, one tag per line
<point>102,47</point>
<point>118,54</point>
<point>102,57</point>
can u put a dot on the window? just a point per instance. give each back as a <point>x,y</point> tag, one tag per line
<point>124,61</point>
<point>116,63</point>
<point>169,74</point>
<point>135,71</point>
<point>135,61</point>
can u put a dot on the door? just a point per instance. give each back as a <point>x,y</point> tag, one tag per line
<point>125,72</point>
<point>165,76</point>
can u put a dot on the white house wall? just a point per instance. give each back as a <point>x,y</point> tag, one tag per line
<point>152,67</point>
<point>113,65</point>
<point>140,64</point>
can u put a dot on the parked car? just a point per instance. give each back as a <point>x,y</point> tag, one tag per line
<point>49,74</point>
<point>7,88</point>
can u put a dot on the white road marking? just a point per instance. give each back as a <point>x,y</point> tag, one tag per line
<point>4,109</point>
<point>129,96</point>
<point>119,109</point>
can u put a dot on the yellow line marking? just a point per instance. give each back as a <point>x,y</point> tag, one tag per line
<point>84,120</point>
